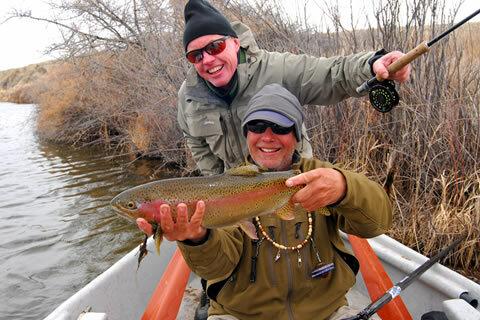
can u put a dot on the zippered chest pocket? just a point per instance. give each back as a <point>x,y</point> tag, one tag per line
<point>211,127</point>
<point>205,124</point>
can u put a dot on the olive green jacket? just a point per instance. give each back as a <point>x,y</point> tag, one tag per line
<point>212,128</point>
<point>284,289</point>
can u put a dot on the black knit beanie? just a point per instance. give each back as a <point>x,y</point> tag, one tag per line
<point>202,19</point>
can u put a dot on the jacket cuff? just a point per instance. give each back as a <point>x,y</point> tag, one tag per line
<point>377,55</point>
<point>350,198</point>
<point>336,204</point>
<point>203,253</point>
<point>365,205</point>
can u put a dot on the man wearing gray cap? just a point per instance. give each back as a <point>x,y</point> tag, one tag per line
<point>302,269</point>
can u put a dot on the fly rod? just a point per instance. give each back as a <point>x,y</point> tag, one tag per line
<point>382,93</point>
<point>394,291</point>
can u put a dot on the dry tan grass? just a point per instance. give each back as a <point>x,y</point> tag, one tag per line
<point>18,85</point>
<point>20,93</point>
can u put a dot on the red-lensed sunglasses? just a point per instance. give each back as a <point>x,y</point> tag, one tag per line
<point>213,48</point>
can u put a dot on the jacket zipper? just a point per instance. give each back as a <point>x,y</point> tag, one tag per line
<point>230,158</point>
<point>289,273</point>
<point>235,136</point>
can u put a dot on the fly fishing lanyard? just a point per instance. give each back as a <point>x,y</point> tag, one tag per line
<point>321,269</point>
<point>283,247</point>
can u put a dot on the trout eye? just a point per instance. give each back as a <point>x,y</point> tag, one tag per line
<point>131,205</point>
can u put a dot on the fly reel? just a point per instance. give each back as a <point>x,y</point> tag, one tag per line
<point>383,96</point>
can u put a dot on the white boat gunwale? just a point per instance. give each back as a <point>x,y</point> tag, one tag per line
<point>438,288</point>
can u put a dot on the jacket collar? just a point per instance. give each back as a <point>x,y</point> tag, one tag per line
<point>196,89</point>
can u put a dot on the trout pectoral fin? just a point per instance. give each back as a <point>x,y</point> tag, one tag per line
<point>287,212</point>
<point>142,251</point>
<point>248,170</point>
<point>158,236</point>
<point>249,229</point>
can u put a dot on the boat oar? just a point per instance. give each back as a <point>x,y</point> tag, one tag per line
<point>377,280</point>
<point>404,283</point>
<point>373,273</point>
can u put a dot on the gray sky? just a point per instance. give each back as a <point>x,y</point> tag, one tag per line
<point>23,41</point>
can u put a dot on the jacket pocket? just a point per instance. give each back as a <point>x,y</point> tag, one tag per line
<point>209,126</point>
<point>204,124</point>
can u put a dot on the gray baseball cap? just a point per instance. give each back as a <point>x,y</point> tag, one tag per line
<point>276,104</point>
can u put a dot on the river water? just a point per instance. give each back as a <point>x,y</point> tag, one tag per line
<point>57,231</point>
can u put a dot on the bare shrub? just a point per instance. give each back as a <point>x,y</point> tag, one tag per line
<point>120,87</point>
<point>59,104</point>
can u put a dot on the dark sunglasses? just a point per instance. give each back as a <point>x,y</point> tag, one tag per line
<point>261,126</point>
<point>213,48</point>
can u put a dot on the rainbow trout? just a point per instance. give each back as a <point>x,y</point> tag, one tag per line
<point>231,199</point>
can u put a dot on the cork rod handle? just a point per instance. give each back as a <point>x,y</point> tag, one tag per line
<point>407,58</point>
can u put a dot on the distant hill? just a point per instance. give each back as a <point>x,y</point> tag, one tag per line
<point>15,83</point>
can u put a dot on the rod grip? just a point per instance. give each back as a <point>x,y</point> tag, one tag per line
<point>407,58</point>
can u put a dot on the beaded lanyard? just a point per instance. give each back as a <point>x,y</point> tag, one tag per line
<point>281,246</point>
<point>321,269</point>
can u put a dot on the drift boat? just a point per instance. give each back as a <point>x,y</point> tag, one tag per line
<point>123,292</point>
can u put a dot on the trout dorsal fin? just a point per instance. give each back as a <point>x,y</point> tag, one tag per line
<point>249,229</point>
<point>287,212</point>
<point>247,170</point>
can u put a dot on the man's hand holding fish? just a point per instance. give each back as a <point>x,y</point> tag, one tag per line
<point>179,230</point>
<point>322,187</point>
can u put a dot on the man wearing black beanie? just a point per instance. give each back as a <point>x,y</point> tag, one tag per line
<point>202,19</point>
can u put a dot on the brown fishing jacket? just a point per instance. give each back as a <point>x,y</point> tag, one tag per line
<point>284,289</point>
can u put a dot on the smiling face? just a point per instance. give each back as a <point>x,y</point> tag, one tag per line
<point>270,150</point>
<point>216,69</point>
